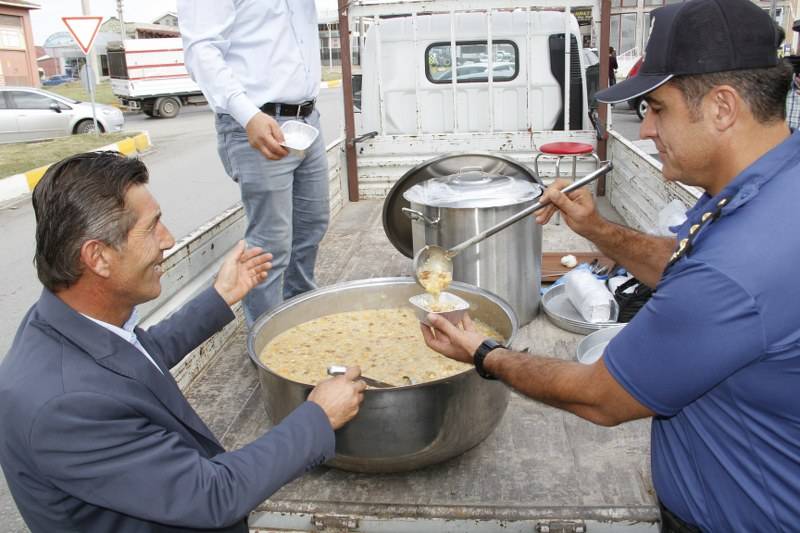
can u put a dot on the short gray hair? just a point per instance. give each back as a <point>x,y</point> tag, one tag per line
<point>79,199</point>
<point>764,89</point>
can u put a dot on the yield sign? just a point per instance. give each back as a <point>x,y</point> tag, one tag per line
<point>83,30</point>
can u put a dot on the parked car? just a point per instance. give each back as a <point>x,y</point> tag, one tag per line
<point>479,72</point>
<point>58,80</point>
<point>638,104</point>
<point>28,114</point>
<point>589,57</point>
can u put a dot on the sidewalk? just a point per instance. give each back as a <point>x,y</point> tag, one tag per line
<point>18,185</point>
<point>330,84</point>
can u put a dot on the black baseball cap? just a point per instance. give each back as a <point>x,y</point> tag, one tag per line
<point>700,37</point>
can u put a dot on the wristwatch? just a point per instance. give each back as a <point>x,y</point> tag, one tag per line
<point>480,354</point>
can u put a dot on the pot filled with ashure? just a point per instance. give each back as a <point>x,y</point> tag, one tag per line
<point>433,409</point>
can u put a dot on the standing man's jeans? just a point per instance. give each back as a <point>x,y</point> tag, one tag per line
<point>287,207</point>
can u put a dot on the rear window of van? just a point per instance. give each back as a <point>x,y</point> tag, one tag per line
<point>472,62</point>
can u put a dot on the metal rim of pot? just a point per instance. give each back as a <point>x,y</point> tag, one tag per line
<point>396,224</point>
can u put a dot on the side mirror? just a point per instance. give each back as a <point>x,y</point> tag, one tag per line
<point>54,106</point>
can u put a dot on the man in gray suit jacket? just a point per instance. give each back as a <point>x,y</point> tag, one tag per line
<point>95,435</point>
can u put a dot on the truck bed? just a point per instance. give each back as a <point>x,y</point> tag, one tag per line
<point>541,470</point>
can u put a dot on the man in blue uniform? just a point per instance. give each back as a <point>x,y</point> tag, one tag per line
<point>714,356</point>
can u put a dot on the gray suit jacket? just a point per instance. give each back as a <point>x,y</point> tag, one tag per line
<point>94,439</point>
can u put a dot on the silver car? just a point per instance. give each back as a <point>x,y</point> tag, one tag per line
<point>29,114</point>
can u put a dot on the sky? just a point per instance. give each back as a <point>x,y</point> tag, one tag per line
<point>47,20</point>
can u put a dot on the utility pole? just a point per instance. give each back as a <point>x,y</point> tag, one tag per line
<point>91,59</point>
<point>122,34</point>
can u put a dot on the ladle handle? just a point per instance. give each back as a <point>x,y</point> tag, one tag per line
<point>587,179</point>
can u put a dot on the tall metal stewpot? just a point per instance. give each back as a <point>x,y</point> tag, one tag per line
<point>448,210</point>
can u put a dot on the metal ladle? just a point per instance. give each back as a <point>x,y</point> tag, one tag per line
<point>433,258</point>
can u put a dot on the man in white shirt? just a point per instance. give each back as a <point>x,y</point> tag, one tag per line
<point>258,64</point>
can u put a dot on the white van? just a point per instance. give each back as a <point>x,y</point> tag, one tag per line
<point>410,60</point>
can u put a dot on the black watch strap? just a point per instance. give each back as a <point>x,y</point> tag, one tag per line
<point>480,354</point>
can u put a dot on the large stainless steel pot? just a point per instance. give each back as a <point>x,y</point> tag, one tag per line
<point>401,428</point>
<point>508,263</point>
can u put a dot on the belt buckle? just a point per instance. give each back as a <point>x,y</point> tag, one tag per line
<point>299,110</point>
<point>307,103</point>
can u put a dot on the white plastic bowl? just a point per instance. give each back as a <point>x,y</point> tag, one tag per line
<point>421,304</point>
<point>298,136</point>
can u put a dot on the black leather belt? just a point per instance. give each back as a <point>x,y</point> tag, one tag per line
<point>671,523</point>
<point>288,110</point>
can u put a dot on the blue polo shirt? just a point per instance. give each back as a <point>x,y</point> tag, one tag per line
<point>716,354</point>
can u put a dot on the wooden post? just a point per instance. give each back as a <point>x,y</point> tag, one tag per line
<point>347,88</point>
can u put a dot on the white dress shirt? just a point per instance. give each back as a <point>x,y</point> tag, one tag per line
<point>127,333</point>
<point>245,53</point>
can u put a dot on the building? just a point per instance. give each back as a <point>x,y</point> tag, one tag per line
<point>143,30</point>
<point>62,48</point>
<point>329,44</point>
<point>631,21</point>
<point>170,18</point>
<point>47,66</point>
<point>17,53</point>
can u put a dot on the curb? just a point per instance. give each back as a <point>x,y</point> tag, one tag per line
<point>330,84</point>
<point>12,187</point>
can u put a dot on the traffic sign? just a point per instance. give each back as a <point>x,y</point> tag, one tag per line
<point>83,30</point>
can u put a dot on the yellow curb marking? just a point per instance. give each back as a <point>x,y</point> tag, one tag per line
<point>33,176</point>
<point>126,146</point>
<point>142,142</point>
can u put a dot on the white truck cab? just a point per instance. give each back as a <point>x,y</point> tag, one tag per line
<point>519,86</point>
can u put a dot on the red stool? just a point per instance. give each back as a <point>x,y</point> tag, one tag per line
<point>563,150</point>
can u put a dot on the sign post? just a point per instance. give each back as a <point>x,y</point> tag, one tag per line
<point>84,31</point>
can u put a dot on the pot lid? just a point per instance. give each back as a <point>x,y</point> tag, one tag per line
<point>471,188</point>
<point>398,227</point>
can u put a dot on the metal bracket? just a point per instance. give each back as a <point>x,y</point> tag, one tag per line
<point>599,127</point>
<point>334,523</point>
<point>362,138</point>
<point>413,214</point>
<point>560,527</point>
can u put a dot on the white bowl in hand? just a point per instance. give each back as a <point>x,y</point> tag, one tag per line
<point>452,307</point>
<point>298,136</point>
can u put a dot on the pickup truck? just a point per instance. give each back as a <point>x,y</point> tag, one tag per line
<point>541,470</point>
